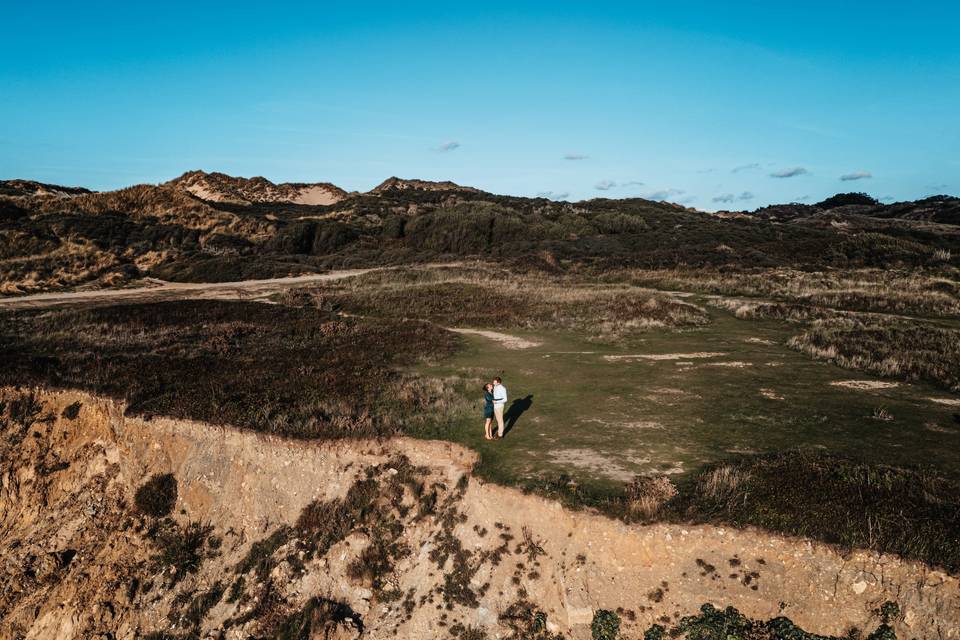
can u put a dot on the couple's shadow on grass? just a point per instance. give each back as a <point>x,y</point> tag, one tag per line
<point>516,409</point>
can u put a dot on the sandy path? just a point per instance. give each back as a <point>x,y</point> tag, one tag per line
<point>163,291</point>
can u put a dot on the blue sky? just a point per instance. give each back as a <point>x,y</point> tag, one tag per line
<point>715,105</point>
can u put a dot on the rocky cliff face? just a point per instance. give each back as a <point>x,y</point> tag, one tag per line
<point>261,537</point>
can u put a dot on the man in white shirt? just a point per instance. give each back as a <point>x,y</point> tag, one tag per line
<point>499,400</point>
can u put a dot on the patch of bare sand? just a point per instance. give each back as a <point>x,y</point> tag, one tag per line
<point>627,424</point>
<point>950,402</point>
<point>733,364</point>
<point>770,394</point>
<point>760,341</point>
<point>510,342</point>
<point>665,356</point>
<point>864,385</point>
<point>592,462</point>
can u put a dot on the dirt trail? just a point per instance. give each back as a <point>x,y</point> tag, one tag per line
<point>160,291</point>
<point>66,493</point>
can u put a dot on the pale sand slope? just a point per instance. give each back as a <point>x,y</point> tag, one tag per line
<point>246,485</point>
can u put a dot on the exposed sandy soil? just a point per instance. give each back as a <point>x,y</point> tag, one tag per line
<point>245,485</point>
<point>950,402</point>
<point>508,341</point>
<point>665,356</point>
<point>865,385</point>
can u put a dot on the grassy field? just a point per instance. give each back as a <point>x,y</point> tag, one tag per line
<point>604,413</point>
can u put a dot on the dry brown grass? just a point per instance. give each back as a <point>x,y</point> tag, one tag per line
<point>489,297</point>
<point>887,347</point>
<point>904,291</point>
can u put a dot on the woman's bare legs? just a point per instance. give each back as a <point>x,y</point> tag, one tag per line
<point>486,429</point>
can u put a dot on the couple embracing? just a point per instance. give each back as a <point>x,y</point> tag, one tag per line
<point>494,399</point>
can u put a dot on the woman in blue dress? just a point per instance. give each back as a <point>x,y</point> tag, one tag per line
<point>487,410</point>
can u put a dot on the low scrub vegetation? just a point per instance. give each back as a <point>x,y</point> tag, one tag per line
<point>495,298</point>
<point>914,514</point>
<point>730,624</point>
<point>293,371</point>
<point>886,347</point>
<point>930,292</point>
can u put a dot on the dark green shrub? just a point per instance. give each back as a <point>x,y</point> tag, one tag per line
<point>157,496</point>
<point>605,625</point>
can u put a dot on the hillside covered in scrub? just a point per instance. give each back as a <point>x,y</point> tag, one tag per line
<point>208,227</point>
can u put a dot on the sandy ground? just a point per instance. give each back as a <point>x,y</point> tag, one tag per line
<point>246,485</point>
<point>162,291</point>
<point>508,341</point>
<point>865,385</point>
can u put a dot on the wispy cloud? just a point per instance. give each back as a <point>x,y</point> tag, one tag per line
<point>553,195</point>
<point>605,185</point>
<point>631,183</point>
<point>448,146</point>
<point>575,156</point>
<point>789,173</point>
<point>856,175</point>
<point>745,167</point>
<point>802,199</point>
<point>887,199</point>
<point>729,197</point>
<point>664,194</point>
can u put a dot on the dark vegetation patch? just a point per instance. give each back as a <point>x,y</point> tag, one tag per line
<point>319,618</point>
<point>182,549</point>
<point>294,371</point>
<point>914,514</point>
<point>605,625</point>
<point>157,496</point>
<point>887,347</point>
<point>72,411</point>
<point>730,624</point>
<point>526,621</point>
<point>486,297</point>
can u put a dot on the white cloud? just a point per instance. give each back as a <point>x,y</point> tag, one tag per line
<point>856,175</point>
<point>553,195</point>
<point>575,156</point>
<point>726,197</point>
<point>664,194</point>
<point>789,173</point>
<point>605,185</point>
<point>448,146</point>
<point>745,167</point>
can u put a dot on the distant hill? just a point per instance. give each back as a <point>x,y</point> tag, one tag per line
<point>30,188</point>
<point>940,209</point>
<point>220,187</point>
<point>399,184</point>
<point>214,227</point>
